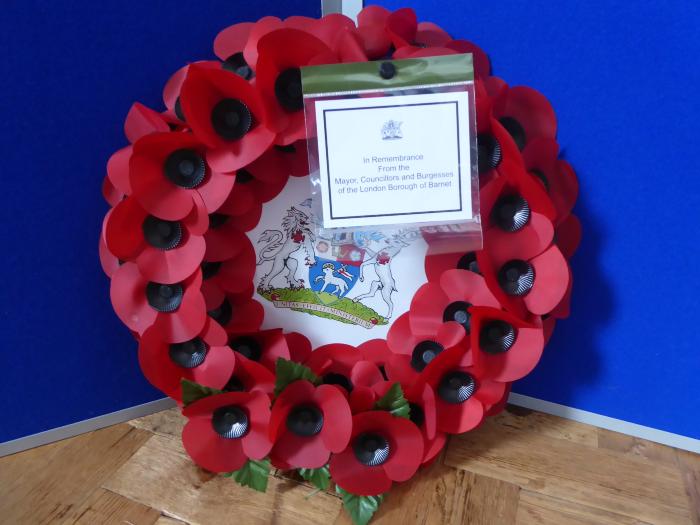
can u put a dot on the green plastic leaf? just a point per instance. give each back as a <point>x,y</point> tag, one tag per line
<point>254,474</point>
<point>394,402</point>
<point>360,508</point>
<point>319,477</point>
<point>192,391</point>
<point>287,372</point>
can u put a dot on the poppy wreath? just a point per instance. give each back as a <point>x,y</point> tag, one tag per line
<point>192,182</point>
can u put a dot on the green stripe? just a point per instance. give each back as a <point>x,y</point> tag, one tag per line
<point>357,76</point>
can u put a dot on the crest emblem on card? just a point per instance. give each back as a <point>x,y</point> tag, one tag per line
<point>336,278</point>
<point>391,130</point>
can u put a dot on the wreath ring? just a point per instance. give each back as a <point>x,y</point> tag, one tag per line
<point>192,182</point>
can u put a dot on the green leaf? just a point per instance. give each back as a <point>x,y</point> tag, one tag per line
<point>319,477</point>
<point>254,474</point>
<point>394,402</point>
<point>287,372</point>
<point>192,391</point>
<point>360,508</point>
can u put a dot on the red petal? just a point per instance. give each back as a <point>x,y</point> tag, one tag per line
<point>299,346</point>
<point>301,452</point>
<point>365,373</point>
<point>461,285</point>
<point>215,190</point>
<point>407,455</point>
<point>432,35</point>
<point>118,170</point>
<point>128,294</point>
<point>401,25</point>
<point>337,425</point>
<point>141,121</point>
<point>356,478</point>
<point>482,64</point>
<point>524,244</point>
<point>232,40</point>
<point>171,266</point>
<point>209,450</point>
<point>568,235</point>
<point>532,111</point>
<point>427,308</point>
<point>551,281</point>
<point>459,418</point>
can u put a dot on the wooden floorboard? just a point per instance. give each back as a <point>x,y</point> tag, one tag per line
<point>520,468</point>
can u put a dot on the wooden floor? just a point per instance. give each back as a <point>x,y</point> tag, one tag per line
<point>521,467</point>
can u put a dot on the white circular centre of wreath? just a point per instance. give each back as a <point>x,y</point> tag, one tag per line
<point>345,289</point>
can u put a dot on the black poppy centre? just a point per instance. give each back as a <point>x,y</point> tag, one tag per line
<point>189,354</point>
<point>231,119</point>
<point>185,168</point>
<point>163,235</point>
<point>230,422</point>
<point>305,420</point>
<point>456,387</point>
<point>247,347</point>
<point>423,353</point>
<point>164,297</point>
<point>516,277</point>
<point>371,449</point>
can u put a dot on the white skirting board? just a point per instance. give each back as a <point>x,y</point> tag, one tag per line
<point>582,416</point>
<point>81,427</point>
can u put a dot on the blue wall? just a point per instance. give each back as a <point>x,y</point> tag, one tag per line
<point>623,78</point>
<point>70,71</point>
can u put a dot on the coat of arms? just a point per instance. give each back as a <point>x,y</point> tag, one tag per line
<point>329,277</point>
<point>391,130</point>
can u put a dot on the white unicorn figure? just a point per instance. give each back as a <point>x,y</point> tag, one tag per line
<point>280,247</point>
<point>381,261</point>
<point>341,286</point>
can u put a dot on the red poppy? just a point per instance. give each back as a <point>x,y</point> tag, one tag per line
<point>421,399</point>
<point>308,424</point>
<point>236,312</point>
<point>464,393</point>
<point>227,115</point>
<point>225,241</point>
<point>171,91</point>
<point>249,376</point>
<point>264,346</point>
<point>240,212</point>
<point>260,181</point>
<point>382,449</point>
<point>371,23</point>
<point>282,53</point>
<point>505,347</point>
<point>523,111</point>
<point>449,300</point>
<point>229,45</point>
<point>414,347</point>
<point>225,430</point>
<point>262,27</point>
<point>142,121</point>
<point>344,366</point>
<point>523,269</point>
<point>168,175</point>
<point>165,251</point>
<point>555,175</point>
<point>299,346</point>
<point>204,359</point>
<point>233,275</point>
<point>175,310</point>
<point>497,152</point>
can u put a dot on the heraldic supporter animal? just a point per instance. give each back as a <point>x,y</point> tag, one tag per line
<point>296,235</point>
<point>380,260</point>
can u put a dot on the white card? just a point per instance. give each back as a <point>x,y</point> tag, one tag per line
<point>395,160</point>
